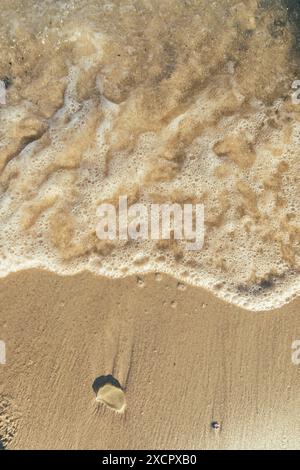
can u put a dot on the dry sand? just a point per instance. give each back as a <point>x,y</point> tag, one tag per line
<point>184,358</point>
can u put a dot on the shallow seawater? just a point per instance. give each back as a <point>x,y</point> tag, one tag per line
<point>166,102</point>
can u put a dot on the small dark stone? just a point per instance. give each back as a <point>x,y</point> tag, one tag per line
<point>215,425</point>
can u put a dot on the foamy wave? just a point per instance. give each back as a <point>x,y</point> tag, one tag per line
<point>170,101</point>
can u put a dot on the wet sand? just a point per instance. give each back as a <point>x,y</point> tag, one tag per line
<point>184,359</point>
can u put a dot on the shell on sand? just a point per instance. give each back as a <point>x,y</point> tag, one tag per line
<point>112,396</point>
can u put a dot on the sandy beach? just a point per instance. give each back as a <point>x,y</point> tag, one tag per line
<point>149,224</point>
<point>183,358</point>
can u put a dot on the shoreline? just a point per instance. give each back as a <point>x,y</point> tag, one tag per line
<point>263,286</point>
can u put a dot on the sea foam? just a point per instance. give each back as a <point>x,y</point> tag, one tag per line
<point>185,102</point>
